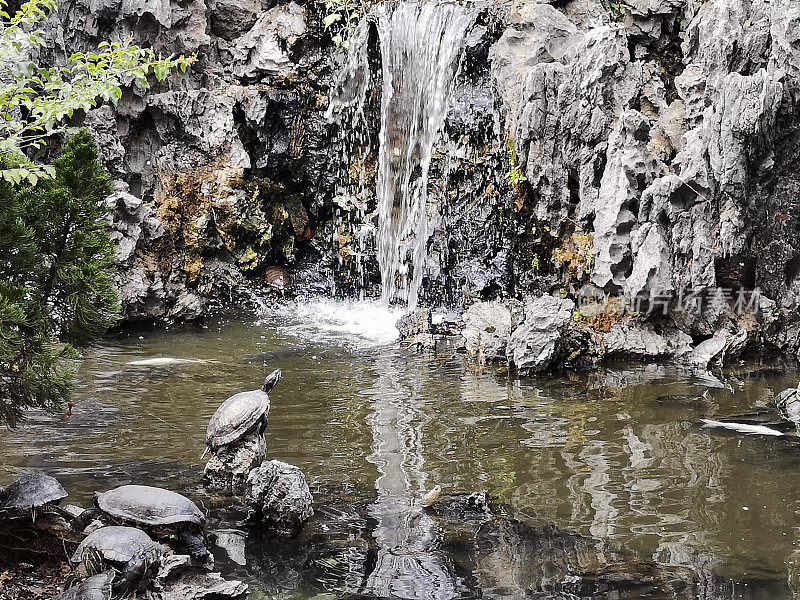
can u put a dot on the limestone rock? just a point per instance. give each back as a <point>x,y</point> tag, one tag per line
<point>538,341</point>
<point>278,497</point>
<point>262,50</point>
<point>487,327</point>
<point>229,467</point>
<point>636,340</point>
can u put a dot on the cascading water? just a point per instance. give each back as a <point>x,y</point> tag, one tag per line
<point>420,45</point>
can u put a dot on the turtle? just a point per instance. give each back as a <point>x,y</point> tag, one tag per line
<point>162,512</point>
<point>127,550</point>
<point>240,414</point>
<point>96,587</point>
<point>30,494</point>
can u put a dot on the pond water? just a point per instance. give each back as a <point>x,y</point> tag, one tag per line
<point>598,454</point>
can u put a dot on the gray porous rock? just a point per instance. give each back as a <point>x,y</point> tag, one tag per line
<point>229,466</point>
<point>639,340</point>
<point>487,327</point>
<point>278,497</point>
<point>541,337</point>
<point>664,131</point>
<point>181,579</point>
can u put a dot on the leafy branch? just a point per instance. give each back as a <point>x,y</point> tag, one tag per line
<point>342,18</point>
<point>36,101</point>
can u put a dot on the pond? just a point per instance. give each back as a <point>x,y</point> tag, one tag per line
<point>369,420</point>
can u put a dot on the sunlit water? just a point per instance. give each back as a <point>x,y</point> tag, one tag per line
<point>595,453</point>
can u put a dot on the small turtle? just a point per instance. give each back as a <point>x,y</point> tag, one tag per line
<point>162,512</point>
<point>278,278</point>
<point>30,494</point>
<point>240,414</point>
<point>96,587</point>
<point>430,497</point>
<point>789,404</point>
<point>128,551</point>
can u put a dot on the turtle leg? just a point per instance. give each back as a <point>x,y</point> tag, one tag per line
<point>80,522</point>
<point>129,579</point>
<point>194,543</point>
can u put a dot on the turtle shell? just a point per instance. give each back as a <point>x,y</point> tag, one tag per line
<point>278,278</point>
<point>235,417</point>
<point>119,545</point>
<point>150,506</point>
<point>97,587</point>
<point>31,491</point>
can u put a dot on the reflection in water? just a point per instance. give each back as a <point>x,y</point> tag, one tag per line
<point>406,565</point>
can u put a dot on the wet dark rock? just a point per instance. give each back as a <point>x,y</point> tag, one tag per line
<point>416,328</point>
<point>278,497</point>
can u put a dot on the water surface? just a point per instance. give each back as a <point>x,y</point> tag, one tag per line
<point>596,454</point>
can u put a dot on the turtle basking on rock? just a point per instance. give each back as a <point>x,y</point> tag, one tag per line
<point>161,512</point>
<point>127,551</point>
<point>240,414</point>
<point>29,496</point>
<point>235,436</point>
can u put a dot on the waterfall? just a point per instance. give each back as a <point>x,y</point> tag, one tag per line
<point>420,46</point>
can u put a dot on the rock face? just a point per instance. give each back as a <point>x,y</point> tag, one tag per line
<point>229,466</point>
<point>278,497</point>
<point>664,131</point>
<point>662,135</point>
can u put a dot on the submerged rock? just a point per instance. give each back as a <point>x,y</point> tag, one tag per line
<point>278,497</point>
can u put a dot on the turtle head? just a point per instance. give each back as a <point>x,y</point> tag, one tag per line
<point>270,381</point>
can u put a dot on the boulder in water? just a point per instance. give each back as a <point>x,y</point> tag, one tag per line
<point>278,497</point>
<point>540,339</point>
<point>487,328</point>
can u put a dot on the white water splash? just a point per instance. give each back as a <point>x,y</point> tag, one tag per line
<point>345,323</point>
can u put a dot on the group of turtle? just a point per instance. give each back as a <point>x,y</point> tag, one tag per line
<point>115,557</point>
<point>122,549</point>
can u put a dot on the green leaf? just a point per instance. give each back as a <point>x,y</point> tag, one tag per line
<point>331,19</point>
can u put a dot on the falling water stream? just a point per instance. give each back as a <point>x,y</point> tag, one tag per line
<point>421,45</point>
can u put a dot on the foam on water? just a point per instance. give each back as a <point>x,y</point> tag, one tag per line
<point>348,323</point>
